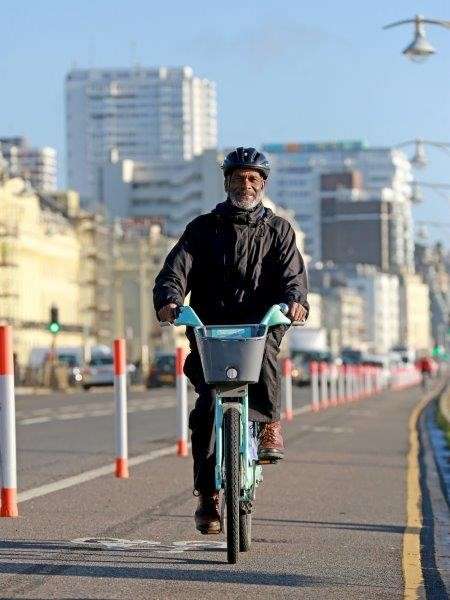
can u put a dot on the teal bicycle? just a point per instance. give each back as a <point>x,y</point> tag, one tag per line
<point>231,357</point>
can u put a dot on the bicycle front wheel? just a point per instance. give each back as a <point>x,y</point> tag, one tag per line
<point>232,484</point>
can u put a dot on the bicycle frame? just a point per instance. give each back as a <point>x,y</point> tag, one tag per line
<point>235,395</point>
<point>251,473</point>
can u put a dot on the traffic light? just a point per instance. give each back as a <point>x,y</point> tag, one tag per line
<point>54,325</point>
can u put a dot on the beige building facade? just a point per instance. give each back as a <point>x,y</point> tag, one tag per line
<point>343,316</point>
<point>39,267</point>
<point>415,315</point>
<point>139,251</point>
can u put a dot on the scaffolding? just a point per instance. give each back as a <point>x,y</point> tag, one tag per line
<point>95,277</point>
<point>9,234</point>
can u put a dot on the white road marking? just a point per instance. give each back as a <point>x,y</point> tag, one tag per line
<point>34,420</point>
<point>302,410</point>
<point>325,429</point>
<point>98,409</point>
<point>68,482</point>
<point>69,416</point>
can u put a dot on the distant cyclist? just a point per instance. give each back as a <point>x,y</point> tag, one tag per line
<point>425,365</point>
<point>236,261</point>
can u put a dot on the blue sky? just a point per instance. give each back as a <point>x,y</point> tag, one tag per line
<point>293,71</point>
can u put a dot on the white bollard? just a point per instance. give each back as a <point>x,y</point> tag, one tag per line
<point>182,403</point>
<point>323,371</point>
<point>286,389</point>
<point>120,394</point>
<point>8,465</point>
<point>314,374</point>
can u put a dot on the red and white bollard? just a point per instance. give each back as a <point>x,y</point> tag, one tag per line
<point>120,394</point>
<point>348,382</point>
<point>341,384</point>
<point>366,380</point>
<point>314,374</point>
<point>378,379</point>
<point>332,370</point>
<point>286,388</point>
<point>323,372</point>
<point>182,403</point>
<point>355,383</point>
<point>8,465</point>
<point>360,380</point>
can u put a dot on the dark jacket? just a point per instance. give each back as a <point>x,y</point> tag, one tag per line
<point>235,263</point>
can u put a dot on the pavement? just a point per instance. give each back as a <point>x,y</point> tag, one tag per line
<point>330,521</point>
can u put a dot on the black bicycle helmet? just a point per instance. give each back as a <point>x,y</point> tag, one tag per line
<point>246,157</point>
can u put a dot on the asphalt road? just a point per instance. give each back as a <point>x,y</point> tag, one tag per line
<point>60,435</point>
<point>329,521</point>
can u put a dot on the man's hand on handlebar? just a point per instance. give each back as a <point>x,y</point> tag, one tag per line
<point>296,312</point>
<point>168,313</point>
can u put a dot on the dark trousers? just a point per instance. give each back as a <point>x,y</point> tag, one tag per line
<point>264,405</point>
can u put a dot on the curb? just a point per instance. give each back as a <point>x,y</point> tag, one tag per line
<point>441,450</point>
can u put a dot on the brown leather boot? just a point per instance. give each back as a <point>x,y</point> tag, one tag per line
<point>207,517</point>
<point>271,446</point>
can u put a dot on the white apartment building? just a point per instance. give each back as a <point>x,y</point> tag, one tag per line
<point>147,113</point>
<point>386,173</point>
<point>36,165</point>
<point>380,293</point>
<point>171,192</point>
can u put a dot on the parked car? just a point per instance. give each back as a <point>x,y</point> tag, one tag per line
<point>100,371</point>
<point>301,361</point>
<point>349,356</point>
<point>162,371</point>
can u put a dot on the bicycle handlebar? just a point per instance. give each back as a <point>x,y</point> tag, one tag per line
<point>276,315</point>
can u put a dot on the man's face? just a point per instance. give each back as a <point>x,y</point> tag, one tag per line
<point>245,187</point>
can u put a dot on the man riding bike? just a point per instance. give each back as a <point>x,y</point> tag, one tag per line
<point>237,261</point>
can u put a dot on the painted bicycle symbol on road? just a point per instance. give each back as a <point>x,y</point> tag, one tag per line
<point>176,547</point>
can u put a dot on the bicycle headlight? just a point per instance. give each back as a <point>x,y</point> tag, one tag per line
<point>231,373</point>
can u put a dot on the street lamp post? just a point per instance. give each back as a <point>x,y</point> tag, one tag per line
<point>439,188</point>
<point>420,48</point>
<point>420,158</point>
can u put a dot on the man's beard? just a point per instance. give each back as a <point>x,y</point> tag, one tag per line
<point>247,204</point>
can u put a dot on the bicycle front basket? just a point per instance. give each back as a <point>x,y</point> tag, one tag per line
<point>231,353</point>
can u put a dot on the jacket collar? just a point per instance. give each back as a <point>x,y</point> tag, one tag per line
<point>232,213</point>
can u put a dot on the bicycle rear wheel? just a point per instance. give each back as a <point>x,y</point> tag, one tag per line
<point>245,532</point>
<point>232,484</point>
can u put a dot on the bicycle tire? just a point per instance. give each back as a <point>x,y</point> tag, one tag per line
<point>232,484</point>
<point>245,532</point>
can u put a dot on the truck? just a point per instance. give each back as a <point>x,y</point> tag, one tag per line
<point>307,339</point>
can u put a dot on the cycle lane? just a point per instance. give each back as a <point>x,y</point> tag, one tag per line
<point>329,522</point>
